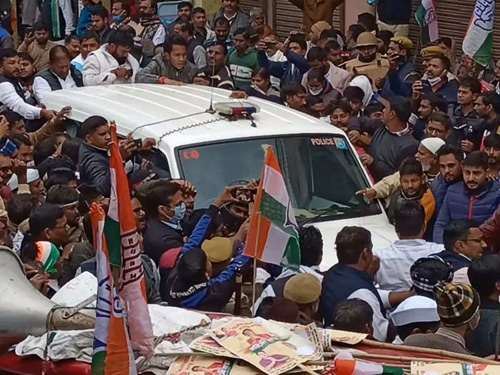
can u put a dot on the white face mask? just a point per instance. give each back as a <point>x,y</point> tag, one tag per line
<point>315,92</point>
<point>434,81</point>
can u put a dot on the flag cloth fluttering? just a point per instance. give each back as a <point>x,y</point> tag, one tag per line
<point>272,235</point>
<point>112,352</point>
<point>427,20</point>
<point>479,38</point>
<point>121,302</point>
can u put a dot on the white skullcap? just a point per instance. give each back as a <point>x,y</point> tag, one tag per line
<point>31,175</point>
<point>415,309</point>
<point>432,144</point>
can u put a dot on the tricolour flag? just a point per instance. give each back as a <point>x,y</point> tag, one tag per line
<point>479,38</point>
<point>123,242</point>
<point>272,235</point>
<point>112,352</point>
<point>427,20</point>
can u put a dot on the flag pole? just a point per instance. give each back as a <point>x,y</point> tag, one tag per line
<point>255,264</point>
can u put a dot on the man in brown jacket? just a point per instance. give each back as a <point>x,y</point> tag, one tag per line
<point>316,10</point>
<point>38,45</point>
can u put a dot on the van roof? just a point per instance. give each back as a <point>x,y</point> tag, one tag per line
<point>179,113</point>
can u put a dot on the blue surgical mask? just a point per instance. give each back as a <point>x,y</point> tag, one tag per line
<point>179,213</point>
<point>117,19</point>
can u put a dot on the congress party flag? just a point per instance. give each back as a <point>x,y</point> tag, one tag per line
<point>124,246</point>
<point>112,352</point>
<point>427,20</point>
<point>272,235</point>
<point>479,38</point>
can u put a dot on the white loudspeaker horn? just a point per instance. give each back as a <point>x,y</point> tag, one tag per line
<point>24,310</point>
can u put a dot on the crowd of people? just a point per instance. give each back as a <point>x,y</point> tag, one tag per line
<point>426,129</point>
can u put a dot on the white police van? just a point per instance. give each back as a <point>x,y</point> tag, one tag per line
<point>320,167</point>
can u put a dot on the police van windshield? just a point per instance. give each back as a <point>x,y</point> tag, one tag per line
<point>320,171</point>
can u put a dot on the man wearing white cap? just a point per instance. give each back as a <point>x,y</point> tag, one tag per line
<point>416,314</point>
<point>426,154</point>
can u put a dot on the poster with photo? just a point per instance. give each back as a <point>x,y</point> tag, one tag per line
<point>207,344</point>
<point>426,368</point>
<point>256,345</point>
<point>198,365</point>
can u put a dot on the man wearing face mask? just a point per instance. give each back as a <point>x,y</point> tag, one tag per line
<point>112,63</point>
<point>121,16</point>
<point>151,26</point>
<point>436,80</point>
<point>458,309</point>
<point>368,62</point>
<point>165,209</point>
<point>170,67</point>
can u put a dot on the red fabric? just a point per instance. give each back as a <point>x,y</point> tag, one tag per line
<point>11,363</point>
<point>168,258</point>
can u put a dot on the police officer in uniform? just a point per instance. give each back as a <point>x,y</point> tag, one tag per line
<point>369,62</point>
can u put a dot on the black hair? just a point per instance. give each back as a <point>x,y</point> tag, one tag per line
<point>121,38</point>
<point>447,149</point>
<point>446,40</point>
<point>442,118</point>
<point>355,30</point>
<point>186,26</point>
<point>88,193</point>
<point>43,217</point>
<point>19,207</point>
<point>471,83</point>
<point>431,268</point>
<point>26,56</point>
<point>71,37</point>
<point>332,45</point>
<point>493,140</point>
<point>368,21</point>
<point>352,315</point>
<point>38,26</point>
<point>262,72</point>
<point>70,148</point>
<point>385,35</point>
<point>12,117</point>
<point>409,219</point>
<point>61,195</point>
<point>7,53</point>
<point>315,74</point>
<point>316,54</point>
<point>328,33</point>
<point>493,99</point>
<point>291,88</point>
<point>54,51</point>
<point>244,31</point>
<point>158,195</point>
<point>410,166</point>
<point>222,21</point>
<point>341,104</point>
<point>436,101</point>
<point>184,4</point>
<point>100,11</point>
<point>59,176</point>
<point>191,267</point>
<point>127,29</point>
<point>198,10</point>
<point>444,60</point>
<point>401,106</point>
<point>299,40</point>
<point>311,246</point>
<point>173,40</point>
<point>43,150</point>
<point>478,159</point>
<point>484,273</point>
<point>220,44</point>
<point>372,108</point>
<point>407,329</point>
<point>350,243</point>
<point>457,230</point>
<point>354,92</point>
<point>125,6</point>
<point>91,124</point>
<point>91,35</point>
<point>21,139</point>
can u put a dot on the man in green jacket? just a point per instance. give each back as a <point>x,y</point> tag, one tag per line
<point>242,59</point>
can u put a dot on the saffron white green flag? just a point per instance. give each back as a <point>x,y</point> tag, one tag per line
<point>479,38</point>
<point>272,234</point>
<point>427,20</point>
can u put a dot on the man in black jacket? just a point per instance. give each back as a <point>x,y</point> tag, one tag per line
<point>59,75</point>
<point>93,155</point>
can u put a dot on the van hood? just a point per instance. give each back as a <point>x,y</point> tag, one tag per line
<point>383,234</point>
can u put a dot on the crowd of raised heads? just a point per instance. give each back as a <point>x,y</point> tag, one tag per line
<point>424,124</point>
